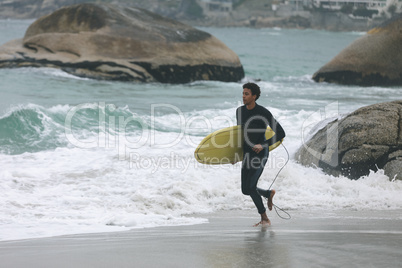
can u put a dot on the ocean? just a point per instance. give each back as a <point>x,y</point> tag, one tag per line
<point>84,156</point>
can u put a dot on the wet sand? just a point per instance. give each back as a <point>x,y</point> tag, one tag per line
<point>309,239</point>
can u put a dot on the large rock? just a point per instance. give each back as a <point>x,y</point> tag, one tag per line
<point>118,43</point>
<point>368,139</point>
<point>372,60</point>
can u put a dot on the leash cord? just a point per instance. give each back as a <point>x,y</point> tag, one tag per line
<point>275,206</point>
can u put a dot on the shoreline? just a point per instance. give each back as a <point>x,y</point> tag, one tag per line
<point>309,239</point>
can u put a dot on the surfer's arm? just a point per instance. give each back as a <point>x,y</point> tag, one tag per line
<point>276,127</point>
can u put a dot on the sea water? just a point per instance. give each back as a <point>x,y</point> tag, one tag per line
<point>80,155</point>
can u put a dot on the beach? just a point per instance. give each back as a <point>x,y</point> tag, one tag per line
<point>102,174</point>
<point>309,239</point>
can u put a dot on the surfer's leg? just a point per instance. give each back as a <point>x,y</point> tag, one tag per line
<point>270,197</point>
<point>245,189</point>
<point>255,196</point>
<point>249,180</point>
<point>264,193</point>
<point>269,194</point>
<point>251,172</point>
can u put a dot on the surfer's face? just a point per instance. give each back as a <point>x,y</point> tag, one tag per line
<point>248,97</point>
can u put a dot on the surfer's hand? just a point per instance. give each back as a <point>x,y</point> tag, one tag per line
<point>257,148</point>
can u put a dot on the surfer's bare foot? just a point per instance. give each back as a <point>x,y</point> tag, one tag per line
<point>264,221</point>
<point>271,196</point>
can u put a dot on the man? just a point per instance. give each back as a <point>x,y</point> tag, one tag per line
<point>254,120</point>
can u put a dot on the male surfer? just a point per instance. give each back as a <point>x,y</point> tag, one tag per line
<point>254,120</point>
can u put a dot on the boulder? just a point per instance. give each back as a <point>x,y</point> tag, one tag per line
<point>119,43</point>
<point>368,139</point>
<point>374,59</point>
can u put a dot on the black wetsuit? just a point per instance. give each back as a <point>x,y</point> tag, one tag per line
<point>254,123</point>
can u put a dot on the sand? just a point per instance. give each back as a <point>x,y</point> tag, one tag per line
<point>309,239</point>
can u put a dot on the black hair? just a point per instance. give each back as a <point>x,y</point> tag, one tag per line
<point>255,89</point>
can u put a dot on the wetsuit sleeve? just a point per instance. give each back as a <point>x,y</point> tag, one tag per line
<point>238,116</point>
<point>276,127</point>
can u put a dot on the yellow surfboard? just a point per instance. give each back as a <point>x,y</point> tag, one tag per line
<point>225,146</point>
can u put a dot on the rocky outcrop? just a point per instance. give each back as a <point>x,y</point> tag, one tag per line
<point>338,21</point>
<point>118,43</point>
<point>368,139</point>
<point>31,9</point>
<point>375,59</point>
<point>297,22</point>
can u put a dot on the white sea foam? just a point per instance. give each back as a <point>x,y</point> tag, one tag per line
<point>73,190</point>
<point>51,72</point>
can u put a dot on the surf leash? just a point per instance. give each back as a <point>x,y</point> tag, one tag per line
<point>275,206</point>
